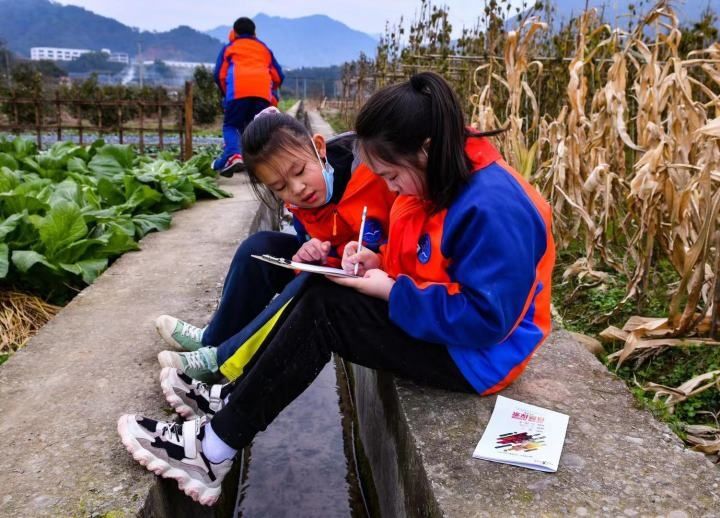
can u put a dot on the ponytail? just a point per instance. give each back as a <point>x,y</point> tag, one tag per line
<point>397,121</point>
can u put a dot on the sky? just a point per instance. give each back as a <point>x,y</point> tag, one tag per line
<point>365,15</point>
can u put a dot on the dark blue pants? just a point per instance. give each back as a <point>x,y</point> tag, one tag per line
<point>237,115</point>
<point>250,284</point>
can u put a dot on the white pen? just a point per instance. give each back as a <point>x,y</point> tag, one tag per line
<point>362,230</point>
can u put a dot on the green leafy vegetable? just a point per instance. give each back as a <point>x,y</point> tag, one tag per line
<point>67,212</point>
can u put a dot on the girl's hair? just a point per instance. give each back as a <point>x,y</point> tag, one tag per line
<point>397,120</point>
<point>265,136</point>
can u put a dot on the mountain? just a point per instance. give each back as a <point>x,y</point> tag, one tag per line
<point>615,11</point>
<point>310,41</point>
<point>41,23</point>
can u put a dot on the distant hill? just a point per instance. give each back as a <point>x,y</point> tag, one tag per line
<point>310,41</point>
<point>615,11</point>
<point>41,23</point>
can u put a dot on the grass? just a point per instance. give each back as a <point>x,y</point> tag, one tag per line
<point>285,104</point>
<point>589,309</point>
<point>336,121</point>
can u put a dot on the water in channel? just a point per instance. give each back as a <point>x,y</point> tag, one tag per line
<point>303,465</point>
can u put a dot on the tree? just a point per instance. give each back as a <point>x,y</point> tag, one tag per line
<point>206,97</point>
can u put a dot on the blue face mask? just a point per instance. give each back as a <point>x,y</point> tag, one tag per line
<point>328,173</point>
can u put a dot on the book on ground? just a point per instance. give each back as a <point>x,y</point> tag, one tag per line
<point>303,267</point>
<point>523,435</point>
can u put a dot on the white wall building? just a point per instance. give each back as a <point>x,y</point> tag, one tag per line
<point>62,54</point>
<point>56,53</point>
<point>183,64</point>
<point>119,57</point>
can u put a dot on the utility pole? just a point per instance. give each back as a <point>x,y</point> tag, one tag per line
<point>7,68</point>
<point>304,87</point>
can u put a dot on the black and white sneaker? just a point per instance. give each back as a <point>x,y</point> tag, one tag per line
<point>189,397</point>
<point>174,451</point>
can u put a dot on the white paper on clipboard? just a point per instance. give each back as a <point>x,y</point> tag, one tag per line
<point>303,267</point>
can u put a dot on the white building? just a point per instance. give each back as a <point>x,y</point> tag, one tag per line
<point>56,53</point>
<point>119,57</point>
<point>62,54</point>
<point>183,64</point>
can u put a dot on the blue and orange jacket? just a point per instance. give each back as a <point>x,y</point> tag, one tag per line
<point>246,67</point>
<point>476,277</point>
<point>355,186</point>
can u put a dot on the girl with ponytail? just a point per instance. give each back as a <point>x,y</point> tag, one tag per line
<point>459,298</point>
<point>325,187</point>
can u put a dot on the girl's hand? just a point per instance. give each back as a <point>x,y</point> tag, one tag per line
<point>376,283</point>
<point>366,259</point>
<point>313,251</point>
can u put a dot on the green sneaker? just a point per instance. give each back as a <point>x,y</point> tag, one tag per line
<point>200,365</point>
<point>178,333</point>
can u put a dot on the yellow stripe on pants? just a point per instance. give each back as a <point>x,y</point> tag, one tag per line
<point>235,365</point>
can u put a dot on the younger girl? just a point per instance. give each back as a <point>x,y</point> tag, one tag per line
<point>325,187</point>
<point>464,303</point>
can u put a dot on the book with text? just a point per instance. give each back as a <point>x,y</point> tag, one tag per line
<point>523,435</point>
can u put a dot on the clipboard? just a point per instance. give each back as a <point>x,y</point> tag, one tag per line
<point>304,267</point>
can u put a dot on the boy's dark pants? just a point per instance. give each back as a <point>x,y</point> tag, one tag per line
<point>324,319</point>
<point>237,115</point>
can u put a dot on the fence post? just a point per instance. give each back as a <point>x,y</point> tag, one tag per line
<point>142,126</point>
<point>58,111</point>
<point>160,121</point>
<point>38,124</point>
<point>188,120</point>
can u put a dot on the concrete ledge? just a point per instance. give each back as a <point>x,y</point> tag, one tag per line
<point>617,460</point>
<point>61,395</point>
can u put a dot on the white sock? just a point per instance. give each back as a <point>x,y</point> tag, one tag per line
<point>215,449</point>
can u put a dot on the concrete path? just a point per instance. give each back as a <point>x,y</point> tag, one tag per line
<point>61,395</point>
<point>319,125</point>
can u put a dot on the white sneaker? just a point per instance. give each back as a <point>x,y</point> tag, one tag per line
<point>190,398</point>
<point>174,451</point>
<point>178,333</point>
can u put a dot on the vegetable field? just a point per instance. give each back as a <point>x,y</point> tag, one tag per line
<point>67,212</point>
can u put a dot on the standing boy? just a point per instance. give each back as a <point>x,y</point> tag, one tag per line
<point>249,78</point>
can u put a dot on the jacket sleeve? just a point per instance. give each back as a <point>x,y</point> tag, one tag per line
<point>221,70</point>
<point>494,246</point>
<point>276,73</point>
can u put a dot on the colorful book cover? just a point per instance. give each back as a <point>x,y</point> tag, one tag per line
<point>523,435</point>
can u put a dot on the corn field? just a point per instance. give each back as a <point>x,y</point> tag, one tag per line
<point>619,129</point>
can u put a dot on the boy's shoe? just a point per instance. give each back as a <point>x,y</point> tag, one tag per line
<point>200,365</point>
<point>178,333</point>
<point>190,398</point>
<point>234,164</point>
<point>174,451</point>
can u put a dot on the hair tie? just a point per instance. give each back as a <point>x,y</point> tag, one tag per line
<point>270,110</point>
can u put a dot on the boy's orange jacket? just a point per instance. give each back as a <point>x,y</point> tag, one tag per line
<point>246,67</point>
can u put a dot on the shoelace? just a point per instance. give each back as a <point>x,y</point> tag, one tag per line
<point>190,330</point>
<point>173,430</point>
<point>196,360</point>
